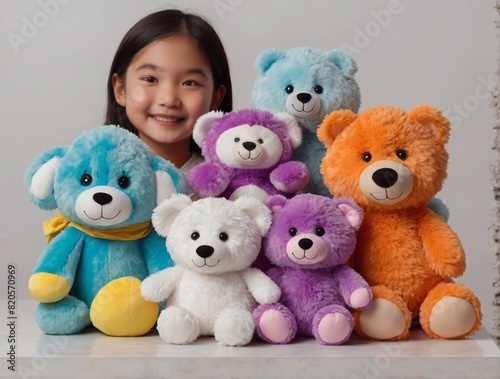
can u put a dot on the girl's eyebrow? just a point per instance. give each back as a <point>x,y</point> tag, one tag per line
<point>153,67</point>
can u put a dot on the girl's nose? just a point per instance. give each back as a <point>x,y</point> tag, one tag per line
<point>168,96</point>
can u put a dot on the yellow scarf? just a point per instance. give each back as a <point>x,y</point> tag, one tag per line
<point>54,226</point>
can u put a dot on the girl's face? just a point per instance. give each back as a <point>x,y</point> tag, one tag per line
<point>167,86</point>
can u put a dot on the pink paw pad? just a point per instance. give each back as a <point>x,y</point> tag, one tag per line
<point>274,325</point>
<point>334,328</point>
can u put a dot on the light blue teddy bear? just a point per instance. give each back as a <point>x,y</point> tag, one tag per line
<point>105,187</point>
<point>309,83</point>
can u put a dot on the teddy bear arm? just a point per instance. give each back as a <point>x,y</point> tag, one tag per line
<point>262,287</point>
<point>208,179</point>
<point>354,289</point>
<point>155,253</point>
<point>159,286</point>
<point>443,249</point>
<point>54,272</point>
<point>290,177</point>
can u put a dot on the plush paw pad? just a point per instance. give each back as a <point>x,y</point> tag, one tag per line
<point>452,317</point>
<point>234,327</point>
<point>274,326</point>
<point>334,328</point>
<point>177,326</point>
<point>383,320</point>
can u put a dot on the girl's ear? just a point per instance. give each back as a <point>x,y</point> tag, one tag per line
<point>204,124</point>
<point>217,97</point>
<point>165,213</point>
<point>333,124</point>
<point>118,89</point>
<point>40,177</point>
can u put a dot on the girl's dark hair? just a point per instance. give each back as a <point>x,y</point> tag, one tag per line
<point>159,25</point>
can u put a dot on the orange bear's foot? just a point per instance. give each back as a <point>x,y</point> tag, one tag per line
<point>450,311</point>
<point>388,318</point>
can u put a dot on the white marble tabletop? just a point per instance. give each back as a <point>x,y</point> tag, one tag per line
<point>94,355</point>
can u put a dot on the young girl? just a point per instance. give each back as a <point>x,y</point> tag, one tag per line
<point>169,69</point>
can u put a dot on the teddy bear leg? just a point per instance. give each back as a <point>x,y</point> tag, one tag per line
<point>66,316</point>
<point>332,325</point>
<point>234,327</point>
<point>119,309</point>
<point>388,317</point>
<point>450,311</point>
<point>178,326</point>
<point>275,323</point>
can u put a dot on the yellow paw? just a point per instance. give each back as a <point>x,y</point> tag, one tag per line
<point>48,288</point>
<point>119,309</point>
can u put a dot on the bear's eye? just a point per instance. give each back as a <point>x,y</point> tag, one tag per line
<point>320,231</point>
<point>402,154</point>
<point>237,139</point>
<point>318,89</point>
<point>292,231</point>
<point>289,89</point>
<point>123,182</point>
<point>223,237</point>
<point>260,140</point>
<point>367,157</point>
<point>86,179</point>
<point>195,236</point>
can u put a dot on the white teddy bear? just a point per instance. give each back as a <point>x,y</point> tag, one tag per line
<point>211,290</point>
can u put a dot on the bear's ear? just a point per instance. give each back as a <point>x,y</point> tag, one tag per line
<point>169,179</point>
<point>257,211</point>
<point>267,58</point>
<point>351,211</point>
<point>204,124</point>
<point>433,119</point>
<point>275,203</point>
<point>40,176</point>
<point>165,213</point>
<point>292,127</point>
<point>333,124</point>
<point>343,61</point>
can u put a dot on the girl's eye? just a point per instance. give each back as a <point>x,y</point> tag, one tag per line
<point>402,154</point>
<point>320,231</point>
<point>190,83</point>
<point>292,231</point>
<point>195,236</point>
<point>86,179</point>
<point>123,182</point>
<point>367,157</point>
<point>150,79</point>
<point>289,89</point>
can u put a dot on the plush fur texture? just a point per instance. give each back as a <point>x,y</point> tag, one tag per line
<point>310,242</point>
<point>106,184</point>
<point>212,290</point>
<point>308,83</point>
<point>392,162</point>
<point>247,152</point>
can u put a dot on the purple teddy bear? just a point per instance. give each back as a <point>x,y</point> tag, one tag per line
<point>247,152</point>
<point>310,241</point>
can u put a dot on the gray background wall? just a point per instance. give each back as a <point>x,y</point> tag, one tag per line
<point>55,56</point>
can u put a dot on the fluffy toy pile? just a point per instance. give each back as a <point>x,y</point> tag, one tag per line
<point>311,220</point>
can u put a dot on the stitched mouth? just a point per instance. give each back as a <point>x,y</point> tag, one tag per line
<point>205,264</point>
<point>249,156</point>
<point>387,197</point>
<point>304,257</point>
<point>102,216</point>
<point>303,109</point>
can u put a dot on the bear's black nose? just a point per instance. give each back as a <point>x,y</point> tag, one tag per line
<point>204,251</point>
<point>385,177</point>
<point>304,97</point>
<point>102,198</point>
<point>249,145</point>
<point>305,243</point>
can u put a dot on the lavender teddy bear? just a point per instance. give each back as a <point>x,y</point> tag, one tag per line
<point>310,240</point>
<point>247,152</point>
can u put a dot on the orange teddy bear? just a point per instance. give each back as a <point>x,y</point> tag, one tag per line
<point>392,163</point>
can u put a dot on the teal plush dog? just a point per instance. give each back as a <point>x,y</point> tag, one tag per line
<point>102,244</point>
